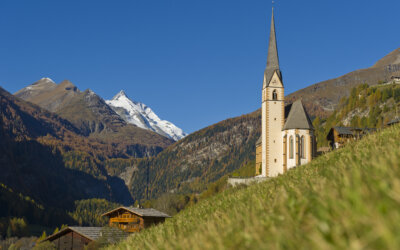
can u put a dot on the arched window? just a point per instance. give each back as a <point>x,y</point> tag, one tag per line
<point>302,147</point>
<point>274,95</point>
<point>291,147</point>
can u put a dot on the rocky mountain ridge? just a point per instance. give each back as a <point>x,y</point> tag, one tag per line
<point>93,117</point>
<point>143,116</point>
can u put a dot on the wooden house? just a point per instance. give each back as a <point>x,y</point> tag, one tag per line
<point>131,219</point>
<point>393,122</point>
<point>77,238</point>
<point>396,79</point>
<point>338,136</point>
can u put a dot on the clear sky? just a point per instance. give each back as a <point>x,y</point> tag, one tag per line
<point>194,63</point>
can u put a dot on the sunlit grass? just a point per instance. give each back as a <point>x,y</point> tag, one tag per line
<point>347,199</point>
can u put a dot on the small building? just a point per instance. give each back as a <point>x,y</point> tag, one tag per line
<point>393,122</point>
<point>132,219</point>
<point>338,136</point>
<point>323,150</point>
<point>77,238</point>
<point>396,79</point>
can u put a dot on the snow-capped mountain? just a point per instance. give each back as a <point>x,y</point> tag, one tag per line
<point>142,116</point>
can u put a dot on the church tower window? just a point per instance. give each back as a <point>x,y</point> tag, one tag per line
<point>274,95</point>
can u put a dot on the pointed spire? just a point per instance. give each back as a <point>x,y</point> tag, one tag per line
<point>272,59</point>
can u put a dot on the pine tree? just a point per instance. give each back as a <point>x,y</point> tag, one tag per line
<point>9,232</point>
<point>42,237</point>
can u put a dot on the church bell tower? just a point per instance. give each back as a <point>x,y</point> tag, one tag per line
<point>273,111</point>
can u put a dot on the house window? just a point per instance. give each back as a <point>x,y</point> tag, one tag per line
<point>274,95</point>
<point>291,147</point>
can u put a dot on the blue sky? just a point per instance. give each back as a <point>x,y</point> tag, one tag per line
<point>193,62</point>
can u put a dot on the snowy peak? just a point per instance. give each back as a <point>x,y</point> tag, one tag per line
<point>120,94</point>
<point>142,116</point>
<point>47,79</point>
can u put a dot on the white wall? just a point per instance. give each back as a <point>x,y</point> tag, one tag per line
<point>300,132</point>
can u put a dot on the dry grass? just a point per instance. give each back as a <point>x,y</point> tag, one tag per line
<point>347,199</point>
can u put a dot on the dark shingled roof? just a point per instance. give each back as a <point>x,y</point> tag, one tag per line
<point>298,117</point>
<point>394,121</point>
<point>111,234</point>
<point>272,59</point>
<point>143,212</point>
<point>351,130</point>
<point>344,130</point>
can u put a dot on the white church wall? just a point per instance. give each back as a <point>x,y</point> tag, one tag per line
<point>275,138</point>
<point>264,143</point>
<point>292,162</point>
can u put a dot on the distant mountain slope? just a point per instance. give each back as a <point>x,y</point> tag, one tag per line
<point>142,116</point>
<point>33,148</point>
<point>200,158</point>
<point>36,89</point>
<point>321,98</point>
<point>366,106</point>
<point>93,117</point>
<point>47,94</point>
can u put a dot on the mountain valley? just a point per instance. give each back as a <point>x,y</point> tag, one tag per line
<point>81,147</point>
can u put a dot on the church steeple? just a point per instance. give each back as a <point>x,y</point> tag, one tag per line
<point>272,59</point>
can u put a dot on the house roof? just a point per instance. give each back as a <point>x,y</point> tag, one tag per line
<point>112,234</point>
<point>394,121</point>
<point>143,212</point>
<point>349,131</point>
<point>344,130</point>
<point>298,117</point>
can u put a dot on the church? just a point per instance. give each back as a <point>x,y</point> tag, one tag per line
<point>287,137</point>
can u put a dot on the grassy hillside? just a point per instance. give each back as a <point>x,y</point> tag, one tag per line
<point>347,199</point>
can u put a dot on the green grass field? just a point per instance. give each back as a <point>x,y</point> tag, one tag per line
<point>347,199</point>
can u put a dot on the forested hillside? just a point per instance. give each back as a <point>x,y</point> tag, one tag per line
<point>367,106</point>
<point>346,199</point>
<point>44,159</point>
<point>321,99</point>
<point>199,159</point>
